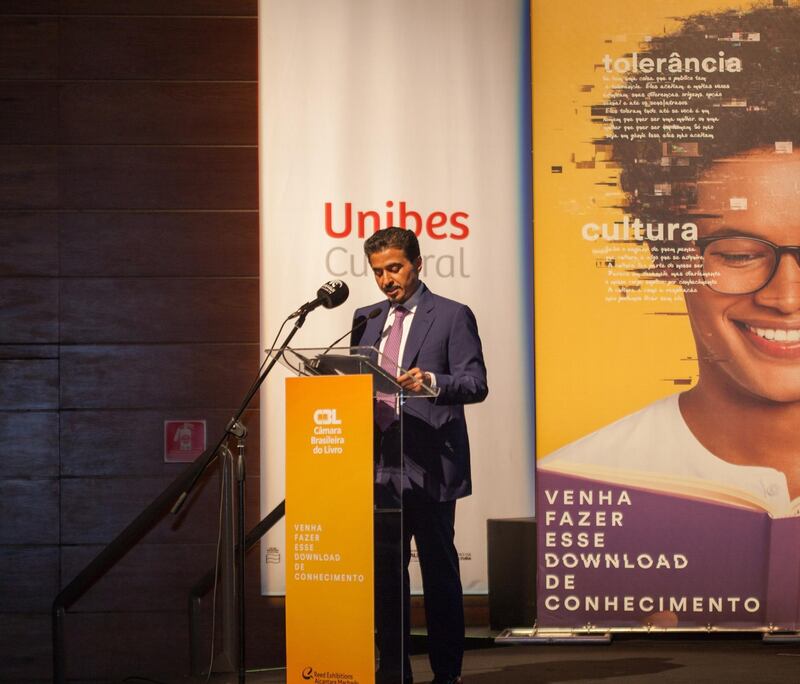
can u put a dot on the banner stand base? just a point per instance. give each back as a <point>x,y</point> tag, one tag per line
<point>781,638</point>
<point>534,635</point>
<point>602,635</point>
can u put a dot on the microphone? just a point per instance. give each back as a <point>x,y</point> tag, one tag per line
<point>360,321</point>
<point>330,295</point>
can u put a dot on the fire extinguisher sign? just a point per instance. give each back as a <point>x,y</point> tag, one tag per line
<point>184,440</point>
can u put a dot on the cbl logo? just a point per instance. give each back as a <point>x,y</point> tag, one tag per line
<point>326,417</point>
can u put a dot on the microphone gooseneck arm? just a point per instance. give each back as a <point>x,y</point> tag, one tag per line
<point>361,321</point>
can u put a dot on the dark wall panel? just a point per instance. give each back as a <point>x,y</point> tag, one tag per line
<point>28,177</point>
<point>158,178</point>
<point>29,511</point>
<point>113,646</point>
<point>28,47</point>
<point>27,352</point>
<point>28,444</point>
<point>128,295</point>
<point>158,113</point>
<point>159,244</point>
<point>29,113</point>
<point>176,7</point>
<point>27,653</point>
<point>30,384</point>
<point>132,310</point>
<point>29,244</point>
<point>184,376</point>
<point>160,48</point>
<point>28,310</point>
<point>125,443</point>
<point>30,578</point>
<point>29,7</point>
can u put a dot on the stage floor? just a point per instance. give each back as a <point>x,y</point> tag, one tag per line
<point>627,659</point>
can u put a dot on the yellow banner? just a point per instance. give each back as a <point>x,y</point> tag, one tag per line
<point>329,542</point>
<point>666,169</point>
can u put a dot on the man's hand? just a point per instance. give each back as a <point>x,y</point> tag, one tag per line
<point>414,380</point>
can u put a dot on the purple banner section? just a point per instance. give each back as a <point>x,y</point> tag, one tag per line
<point>613,556</point>
<point>783,583</point>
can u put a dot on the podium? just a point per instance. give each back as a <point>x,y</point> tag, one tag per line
<point>344,518</point>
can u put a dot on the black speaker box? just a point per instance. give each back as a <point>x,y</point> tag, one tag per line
<point>512,572</point>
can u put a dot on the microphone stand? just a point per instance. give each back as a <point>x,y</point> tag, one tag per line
<point>236,429</point>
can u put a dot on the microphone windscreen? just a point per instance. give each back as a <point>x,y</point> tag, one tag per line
<point>333,293</point>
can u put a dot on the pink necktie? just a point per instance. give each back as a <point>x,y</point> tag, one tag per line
<point>385,412</point>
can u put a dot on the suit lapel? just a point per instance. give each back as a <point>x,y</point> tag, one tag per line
<point>420,325</point>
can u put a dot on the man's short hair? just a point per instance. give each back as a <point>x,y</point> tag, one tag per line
<point>399,238</point>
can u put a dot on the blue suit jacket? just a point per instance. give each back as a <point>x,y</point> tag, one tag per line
<point>443,340</point>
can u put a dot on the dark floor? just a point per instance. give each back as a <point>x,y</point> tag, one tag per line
<point>625,659</point>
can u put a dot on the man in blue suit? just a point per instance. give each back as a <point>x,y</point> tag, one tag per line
<point>437,340</point>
